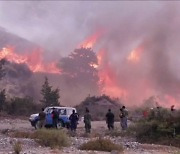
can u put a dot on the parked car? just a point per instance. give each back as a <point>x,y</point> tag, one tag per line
<point>64,114</point>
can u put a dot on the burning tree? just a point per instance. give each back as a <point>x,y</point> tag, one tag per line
<point>50,96</point>
<point>79,70</point>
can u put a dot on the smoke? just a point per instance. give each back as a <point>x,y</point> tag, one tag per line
<point>156,72</point>
<point>152,27</point>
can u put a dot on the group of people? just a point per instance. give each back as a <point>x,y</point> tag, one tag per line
<point>42,118</point>
<point>109,119</point>
<point>74,118</point>
<point>123,118</point>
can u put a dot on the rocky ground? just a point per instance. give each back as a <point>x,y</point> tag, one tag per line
<point>98,129</point>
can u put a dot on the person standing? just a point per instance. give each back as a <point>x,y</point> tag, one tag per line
<point>73,121</point>
<point>42,118</point>
<point>123,116</point>
<point>87,121</point>
<point>55,117</point>
<point>110,120</point>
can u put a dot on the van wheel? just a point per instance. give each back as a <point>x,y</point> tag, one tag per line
<point>59,125</point>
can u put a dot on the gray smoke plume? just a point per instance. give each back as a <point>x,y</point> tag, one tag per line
<point>154,26</point>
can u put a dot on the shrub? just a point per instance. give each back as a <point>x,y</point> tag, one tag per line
<point>101,145</point>
<point>161,127</point>
<point>99,106</point>
<point>17,148</point>
<point>51,137</point>
<point>47,137</point>
<point>21,106</point>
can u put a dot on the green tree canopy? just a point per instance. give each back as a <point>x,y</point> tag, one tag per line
<point>50,96</point>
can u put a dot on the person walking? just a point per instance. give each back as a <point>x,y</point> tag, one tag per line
<point>73,121</point>
<point>123,116</point>
<point>87,121</point>
<point>42,118</point>
<point>110,120</point>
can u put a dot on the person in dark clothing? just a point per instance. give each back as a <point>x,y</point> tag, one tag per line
<point>87,121</point>
<point>73,121</point>
<point>172,108</point>
<point>110,119</point>
<point>42,118</point>
<point>55,117</point>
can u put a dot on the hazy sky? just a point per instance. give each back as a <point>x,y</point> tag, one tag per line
<point>60,26</point>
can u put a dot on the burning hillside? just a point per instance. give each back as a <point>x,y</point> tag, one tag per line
<point>19,50</point>
<point>34,60</point>
<point>126,82</point>
<point>137,50</point>
<point>133,81</point>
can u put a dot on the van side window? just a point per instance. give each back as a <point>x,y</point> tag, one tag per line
<point>62,111</point>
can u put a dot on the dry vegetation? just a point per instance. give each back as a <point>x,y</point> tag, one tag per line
<point>46,137</point>
<point>101,145</point>
<point>17,147</point>
<point>52,138</point>
<point>160,127</point>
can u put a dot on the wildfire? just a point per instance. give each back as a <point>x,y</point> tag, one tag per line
<point>33,60</point>
<point>168,101</point>
<point>134,55</point>
<point>110,85</point>
<point>108,78</point>
<point>94,65</point>
<point>91,41</point>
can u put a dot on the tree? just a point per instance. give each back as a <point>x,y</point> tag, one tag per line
<point>2,71</point>
<point>22,106</point>
<point>50,96</point>
<point>2,99</point>
<point>80,69</point>
<point>3,92</point>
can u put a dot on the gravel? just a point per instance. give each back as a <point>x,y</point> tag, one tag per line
<point>29,146</point>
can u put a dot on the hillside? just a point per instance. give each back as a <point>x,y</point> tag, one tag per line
<point>19,80</point>
<point>12,40</point>
<point>99,106</point>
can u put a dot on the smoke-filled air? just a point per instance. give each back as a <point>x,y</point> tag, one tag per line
<point>126,50</point>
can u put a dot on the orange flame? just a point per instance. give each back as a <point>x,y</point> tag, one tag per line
<point>110,84</point>
<point>91,41</point>
<point>108,79</point>
<point>134,55</point>
<point>33,60</point>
